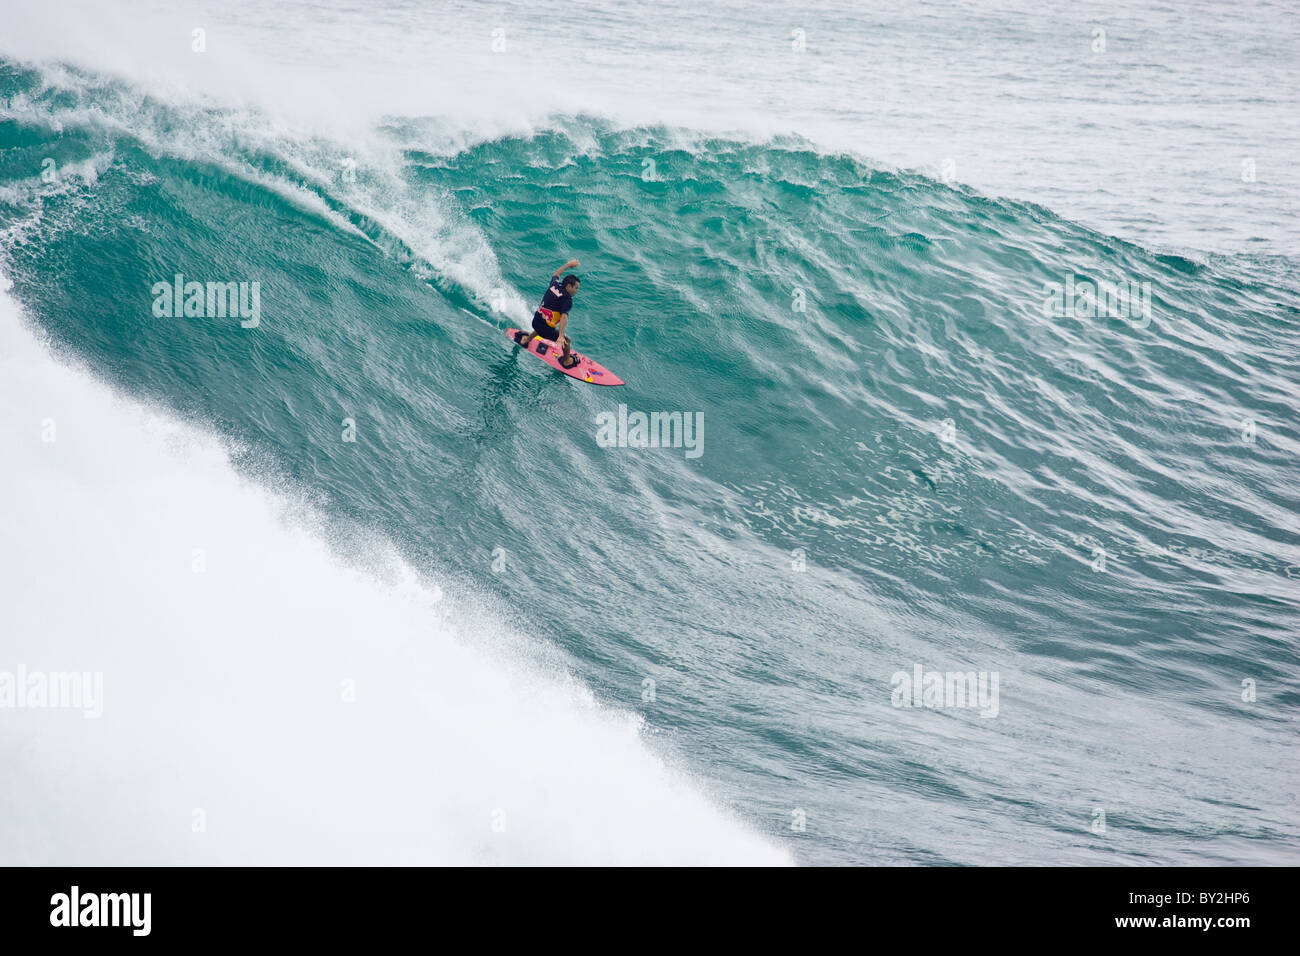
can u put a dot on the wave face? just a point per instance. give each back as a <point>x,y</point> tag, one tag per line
<point>914,453</point>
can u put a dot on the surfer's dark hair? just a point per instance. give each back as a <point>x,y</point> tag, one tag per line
<point>569,280</point>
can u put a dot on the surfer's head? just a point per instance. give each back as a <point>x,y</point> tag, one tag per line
<point>570,283</point>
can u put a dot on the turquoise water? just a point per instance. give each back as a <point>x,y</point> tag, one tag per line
<point>904,460</point>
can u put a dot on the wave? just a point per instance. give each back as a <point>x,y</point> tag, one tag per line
<point>920,447</point>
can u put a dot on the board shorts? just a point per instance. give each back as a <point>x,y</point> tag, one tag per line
<point>544,329</point>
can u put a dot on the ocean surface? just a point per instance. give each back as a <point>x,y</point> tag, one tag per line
<point>366,584</point>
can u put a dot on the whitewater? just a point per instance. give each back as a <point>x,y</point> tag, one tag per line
<point>365,587</point>
<point>268,703</point>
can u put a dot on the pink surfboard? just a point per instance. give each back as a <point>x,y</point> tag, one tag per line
<point>585,371</point>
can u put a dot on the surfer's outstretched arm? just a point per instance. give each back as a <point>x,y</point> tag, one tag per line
<point>571,264</point>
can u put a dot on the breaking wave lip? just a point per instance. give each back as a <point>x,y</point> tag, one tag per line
<point>263,700</point>
<point>357,183</point>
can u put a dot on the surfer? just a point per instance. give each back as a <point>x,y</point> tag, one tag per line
<point>552,316</point>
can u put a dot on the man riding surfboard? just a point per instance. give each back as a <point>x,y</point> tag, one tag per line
<point>552,316</point>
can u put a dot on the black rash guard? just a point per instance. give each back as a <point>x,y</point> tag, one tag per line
<point>555,302</point>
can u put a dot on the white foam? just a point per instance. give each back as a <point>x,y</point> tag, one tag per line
<point>223,688</point>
